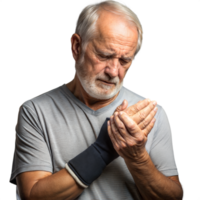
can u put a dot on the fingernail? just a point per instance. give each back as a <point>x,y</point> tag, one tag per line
<point>116,113</point>
<point>155,103</point>
<point>155,109</point>
<point>121,113</point>
<point>108,123</point>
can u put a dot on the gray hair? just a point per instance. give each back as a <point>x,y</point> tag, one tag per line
<point>85,27</point>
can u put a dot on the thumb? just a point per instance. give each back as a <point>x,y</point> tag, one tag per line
<point>122,107</point>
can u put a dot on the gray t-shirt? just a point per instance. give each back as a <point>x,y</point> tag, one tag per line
<point>56,126</point>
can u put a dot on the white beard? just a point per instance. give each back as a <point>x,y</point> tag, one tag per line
<point>98,92</point>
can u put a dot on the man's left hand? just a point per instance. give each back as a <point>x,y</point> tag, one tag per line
<point>128,138</point>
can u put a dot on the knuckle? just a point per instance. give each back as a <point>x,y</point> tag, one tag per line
<point>116,110</point>
<point>150,126</point>
<point>131,111</point>
<point>140,139</point>
<point>120,124</point>
<point>132,127</point>
<point>115,132</point>
<point>137,107</point>
<point>145,123</point>
<point>123,146</point>
<point>142,115</point>
<point>130,143</point>
<point>121,127</point>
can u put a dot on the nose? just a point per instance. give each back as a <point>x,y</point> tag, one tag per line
<point>112,68</point>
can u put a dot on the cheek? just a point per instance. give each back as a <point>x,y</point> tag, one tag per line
<point>122,73</point>
<point>94,64</point>
<point>91,60</point>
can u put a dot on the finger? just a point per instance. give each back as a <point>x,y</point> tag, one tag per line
<point>148,119</point>
<point>112,124</point>
<point>142,114</point>
<point>113,133</point>
<point>126,137</point>
<point>112,138</point>
<point>116,133</point>
<point>110,132</point>
<point>120,127</point>
<point>131,126</point>
<point>132,110</point>
<point>141,104</point>
<point>123,106</point>
<point>147,130</point>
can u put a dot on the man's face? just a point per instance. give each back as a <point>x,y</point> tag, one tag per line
<point>108,56</point>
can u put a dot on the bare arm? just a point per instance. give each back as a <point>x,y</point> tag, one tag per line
<point>129,136</point>
<point>41,185</point>
<point>151,183</point>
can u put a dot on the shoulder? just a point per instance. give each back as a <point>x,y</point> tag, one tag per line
<point>161,132</point>
<point>162,120</point>
<point>45,99</point>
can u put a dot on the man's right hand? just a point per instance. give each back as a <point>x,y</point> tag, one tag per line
<point>142,112</point>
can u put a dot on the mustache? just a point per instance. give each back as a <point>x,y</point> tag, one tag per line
<point>107,80</point>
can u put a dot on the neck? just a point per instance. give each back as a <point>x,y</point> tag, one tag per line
<point>77,90</point>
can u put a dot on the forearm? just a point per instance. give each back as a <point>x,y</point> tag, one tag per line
<point>151,183</point>
<point>59,186</point>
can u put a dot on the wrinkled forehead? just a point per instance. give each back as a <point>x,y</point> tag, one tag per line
<point>114,33</point>
<point>110,26</point>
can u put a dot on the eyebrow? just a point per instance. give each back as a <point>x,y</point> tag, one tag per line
<point>114,54</point>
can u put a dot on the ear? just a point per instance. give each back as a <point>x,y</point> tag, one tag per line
<point>76,46</point>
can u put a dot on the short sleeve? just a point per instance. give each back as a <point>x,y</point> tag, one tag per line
<point>161,151</point>
<point>31,151</point>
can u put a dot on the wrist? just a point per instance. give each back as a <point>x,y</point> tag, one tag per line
<point>138,160</point>
<point>87,166</point>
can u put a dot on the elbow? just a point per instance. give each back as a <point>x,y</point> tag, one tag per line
<point>179,195</point>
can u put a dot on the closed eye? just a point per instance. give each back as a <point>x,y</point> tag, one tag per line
<point>125,62</point>
<point>108,57</point>
<point>104,57</point>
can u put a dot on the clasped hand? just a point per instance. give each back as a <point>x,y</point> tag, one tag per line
<point>128,129</point>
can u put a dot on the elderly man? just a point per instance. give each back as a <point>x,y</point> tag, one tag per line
<point>66,148</point>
